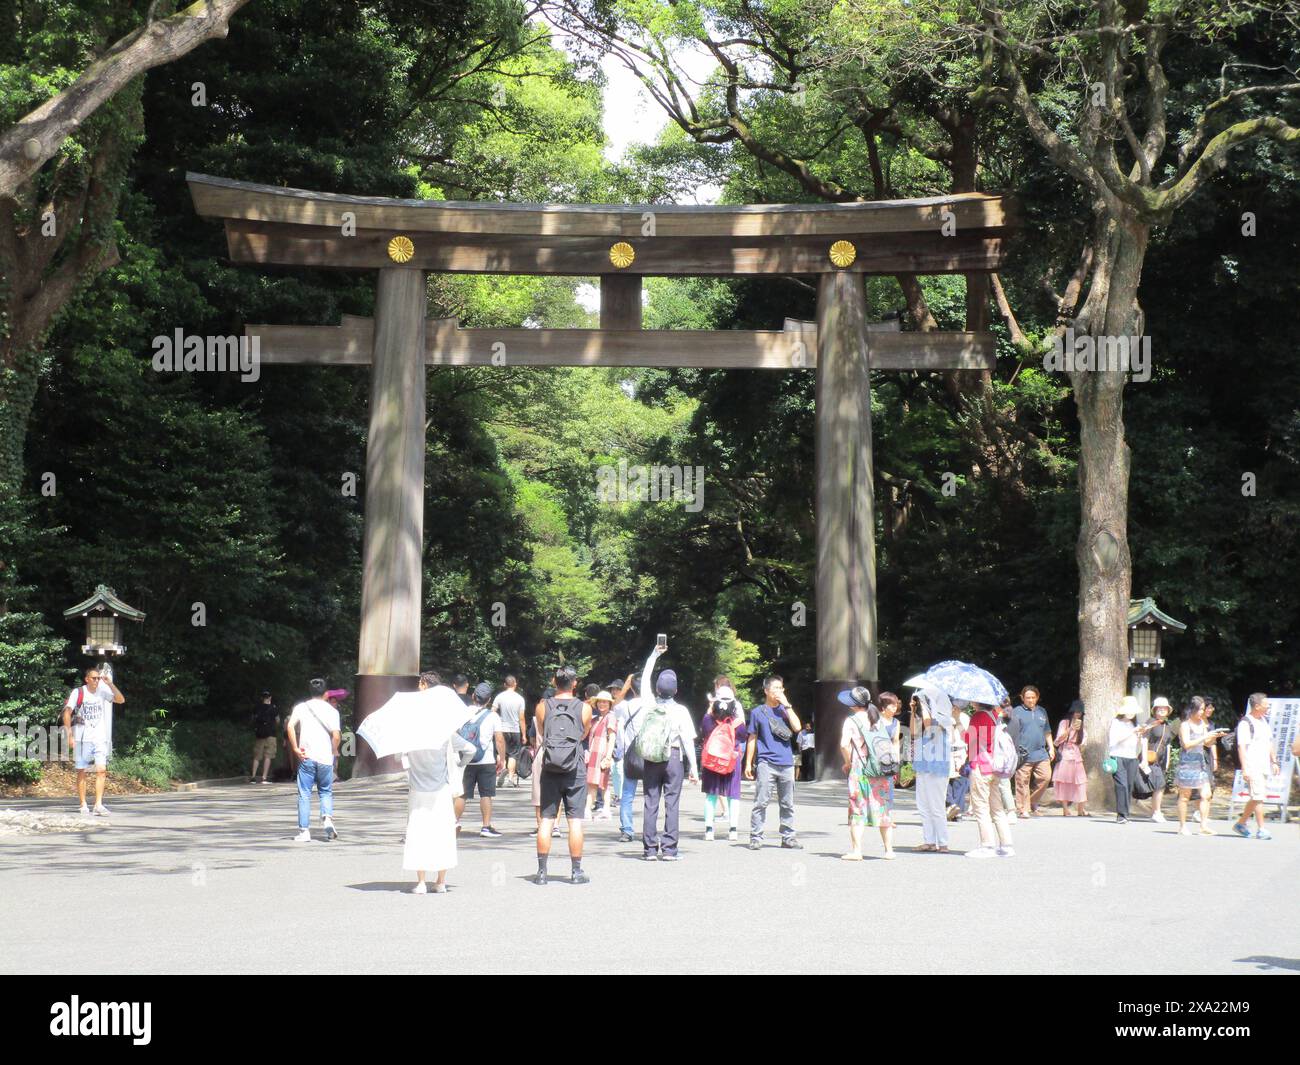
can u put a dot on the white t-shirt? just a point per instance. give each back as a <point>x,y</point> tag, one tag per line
<point>1256,747</point>
<point>850,734</point>
<point>1124,740</point>
<point>315,736</point>
<point>487,730</point>
<point>96,709</point>
<point>623,708</point>
<point>509,706</point>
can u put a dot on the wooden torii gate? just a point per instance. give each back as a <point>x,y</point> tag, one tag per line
<point>405,240</point>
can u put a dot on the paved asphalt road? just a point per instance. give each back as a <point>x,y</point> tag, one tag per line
<point>211,881</point>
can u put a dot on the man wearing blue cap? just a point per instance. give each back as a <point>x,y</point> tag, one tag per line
<point>665,736</point>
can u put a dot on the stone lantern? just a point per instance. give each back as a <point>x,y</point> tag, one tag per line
<point>104,614</point>
<point>1147,624</point>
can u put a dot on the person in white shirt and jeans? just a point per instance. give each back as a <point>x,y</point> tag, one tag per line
<point>88,724</point>
<point>320,731</point>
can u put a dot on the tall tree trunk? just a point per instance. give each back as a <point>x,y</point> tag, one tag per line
<point>1105,576</point>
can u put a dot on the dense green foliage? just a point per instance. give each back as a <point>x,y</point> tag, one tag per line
<point>180,490</point>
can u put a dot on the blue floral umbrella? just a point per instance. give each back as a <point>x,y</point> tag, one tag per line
<point>961,680</point>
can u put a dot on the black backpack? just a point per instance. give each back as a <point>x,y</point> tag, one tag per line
<point>562,735</point>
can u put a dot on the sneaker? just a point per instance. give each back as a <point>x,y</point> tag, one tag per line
<point>330,834</point>
<point>1186,830</point>
<point>756,844</point>
<point>1121,820</point>
<point>625,837</point>
<point>252,780</point>
<point>792,844</point>
<point>439,889</point>
<point>1196,816</point>
<point>555,832</point>
<point>733,835</point>
<point>85,810</point>
<point>1006,852</point>
<point>888,856</point>
<point>303,837</point>
<point>1241,830</point>
<point>1263,833</point>
<point>579,878</point>
<point>265,782</point>
<point>99,810</point>
<point>1158,817</point>
<point>488,832</point>
<point>538,878</point>
<point>982,852</point>
<point>852,856</point>
<point>420,889</point>
<point>650,856</point>
<point>670,857</point>
<point>708,835</point>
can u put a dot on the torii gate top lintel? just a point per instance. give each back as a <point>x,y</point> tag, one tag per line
<point>961,233</point>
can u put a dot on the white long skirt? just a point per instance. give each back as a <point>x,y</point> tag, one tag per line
<point>430,831</point>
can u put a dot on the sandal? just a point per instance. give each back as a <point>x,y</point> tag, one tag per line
<point>941,850</point>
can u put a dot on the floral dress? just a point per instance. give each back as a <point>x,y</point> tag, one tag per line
<point>871,799</point>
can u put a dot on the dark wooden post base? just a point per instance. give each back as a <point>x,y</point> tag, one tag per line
<point>372,691</point>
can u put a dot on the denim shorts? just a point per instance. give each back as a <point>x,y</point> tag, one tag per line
<point>87,753</point>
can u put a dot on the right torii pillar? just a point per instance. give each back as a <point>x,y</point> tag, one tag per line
<point>846,537</point>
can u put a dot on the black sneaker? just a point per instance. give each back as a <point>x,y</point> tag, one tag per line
<point>1121,820</point>
<point>755,845</point>
<point>330,834</point>
<point>626,837</point>
<point>488,832</point>
<point>579,877</point>
<point>792,844</point>
<point>538,878</point>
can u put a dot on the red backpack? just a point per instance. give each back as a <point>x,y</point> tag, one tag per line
<point>720,748</point>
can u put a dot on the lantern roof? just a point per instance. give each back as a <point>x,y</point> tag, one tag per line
<point>1141,611</point>
<point>104,599</point>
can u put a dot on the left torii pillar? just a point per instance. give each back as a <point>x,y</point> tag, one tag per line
<point>388,658</point>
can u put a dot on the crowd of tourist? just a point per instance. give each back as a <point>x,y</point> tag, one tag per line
<point>585,754</point>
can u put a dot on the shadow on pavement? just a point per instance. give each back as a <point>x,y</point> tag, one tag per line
<point>1263,961</point>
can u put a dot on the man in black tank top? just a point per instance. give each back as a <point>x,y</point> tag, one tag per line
<point>563,722</point>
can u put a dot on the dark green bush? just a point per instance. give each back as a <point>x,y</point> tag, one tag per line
<point>20,771</point>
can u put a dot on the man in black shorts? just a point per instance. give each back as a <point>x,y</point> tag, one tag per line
<point>509,705</point>
<point>563,722</point>
<point>483,729</point>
